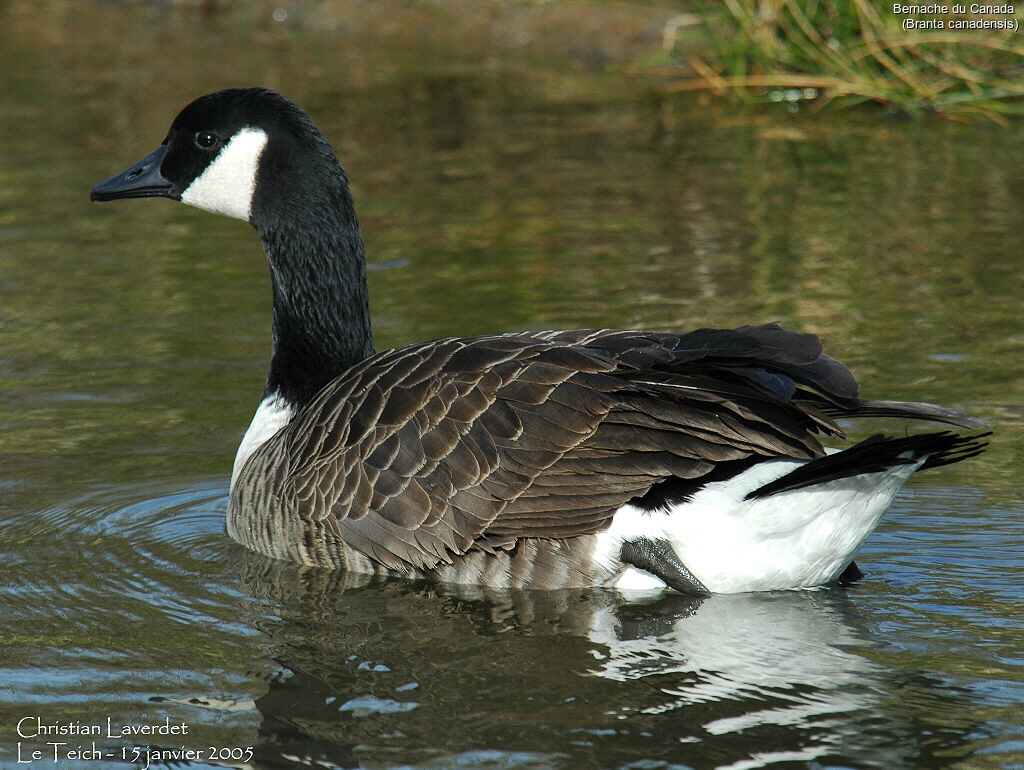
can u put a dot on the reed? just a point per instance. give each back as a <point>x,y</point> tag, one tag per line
<point>821,52</point>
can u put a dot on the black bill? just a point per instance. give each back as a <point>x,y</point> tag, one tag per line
<point>143,180</point>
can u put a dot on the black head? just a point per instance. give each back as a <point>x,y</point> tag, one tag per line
<point>230,152</point>
<point>250,153</point>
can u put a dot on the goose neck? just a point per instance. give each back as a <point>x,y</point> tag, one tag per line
<point>321,324</point>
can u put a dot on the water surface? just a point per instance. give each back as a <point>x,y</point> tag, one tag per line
<point>495,193</point>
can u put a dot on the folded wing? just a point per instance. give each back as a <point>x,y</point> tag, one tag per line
<point>423,453</point>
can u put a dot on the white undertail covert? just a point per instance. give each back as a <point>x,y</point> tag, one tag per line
<point>794,539</point>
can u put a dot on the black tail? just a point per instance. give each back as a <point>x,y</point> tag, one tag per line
<point>876,454</point>
<point>912,410</point>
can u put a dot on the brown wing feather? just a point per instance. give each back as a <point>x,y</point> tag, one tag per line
<point>426,452</point>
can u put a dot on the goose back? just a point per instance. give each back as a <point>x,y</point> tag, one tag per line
<point>422,454</point>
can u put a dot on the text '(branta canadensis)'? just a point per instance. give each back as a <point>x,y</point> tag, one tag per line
<point>535,459</point>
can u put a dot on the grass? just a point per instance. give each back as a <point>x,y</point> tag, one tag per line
<point>834,52</point>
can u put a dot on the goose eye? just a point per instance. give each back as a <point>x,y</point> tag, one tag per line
<point>205,140</point>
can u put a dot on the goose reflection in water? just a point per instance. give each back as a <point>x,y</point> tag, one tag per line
<point>548,678</point>
<point>764,661</point>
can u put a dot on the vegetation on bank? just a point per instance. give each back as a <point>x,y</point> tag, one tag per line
<point>960,59</point>
<point>968,60</point>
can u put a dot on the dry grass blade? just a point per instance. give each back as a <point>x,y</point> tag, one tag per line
<point>850,52</point>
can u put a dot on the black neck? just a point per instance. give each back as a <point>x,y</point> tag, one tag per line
<point>321,302</point>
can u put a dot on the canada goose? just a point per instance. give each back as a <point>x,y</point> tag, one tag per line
<point>535,459</point>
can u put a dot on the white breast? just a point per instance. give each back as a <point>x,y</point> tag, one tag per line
<point>272,415</point>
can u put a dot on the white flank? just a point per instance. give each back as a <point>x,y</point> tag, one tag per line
<point>796,539</point>
<point>228,183</point>
<point>272,415</point>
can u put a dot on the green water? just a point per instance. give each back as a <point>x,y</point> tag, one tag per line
<point>498,189</point>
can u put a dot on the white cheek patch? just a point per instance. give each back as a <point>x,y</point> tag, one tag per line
<point>228,183</point>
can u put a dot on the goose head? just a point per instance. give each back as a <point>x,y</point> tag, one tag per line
<point>237,152</point>
<point>251,154</point>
